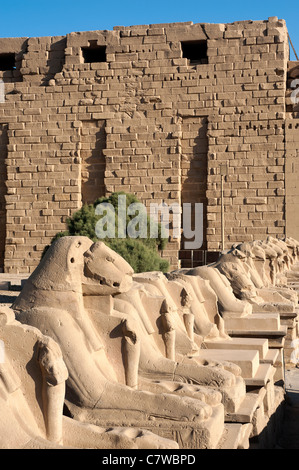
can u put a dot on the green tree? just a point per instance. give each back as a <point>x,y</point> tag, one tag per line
<point>141,253</point>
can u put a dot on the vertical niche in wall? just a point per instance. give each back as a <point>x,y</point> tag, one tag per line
<point>194,144</point>
<point>3,191</point>
<point>93,142</point>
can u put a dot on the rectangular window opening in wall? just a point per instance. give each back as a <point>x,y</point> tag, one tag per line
<point>7,62</point>
<point>94,53</point>
<point>195,52</point>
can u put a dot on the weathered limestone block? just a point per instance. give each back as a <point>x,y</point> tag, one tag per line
<point>194,32</point>
<point>8,45</point>
<point>81,39</point>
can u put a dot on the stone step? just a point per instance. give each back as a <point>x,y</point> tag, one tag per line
<point>271,357</point>
<point>259,344</point>
<point>202,435</point>
<point>4,285</point>
<point>12,281</point>
<point>246,410</point>
<point>235,436</point>
<point>253,322</point>
<point>13,277</point>
<point>246,431</point>
<point>276,338</point>
<point>289,319</point>
<point>262,376</point>
<point>247,360</point>
<point>294,314</point>
<point>287,315</point>
<point>274,307</point>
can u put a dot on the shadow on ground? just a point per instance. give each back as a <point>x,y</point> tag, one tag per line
<point>289,438</point>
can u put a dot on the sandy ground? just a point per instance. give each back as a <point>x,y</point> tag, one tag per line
<point>290,435</point>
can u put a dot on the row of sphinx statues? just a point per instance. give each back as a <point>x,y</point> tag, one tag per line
<point>96,356</point>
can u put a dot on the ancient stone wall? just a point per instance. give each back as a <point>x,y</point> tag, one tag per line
<point>292,149</point>
<point>292,168</point>
<point>152,110</point>
<point>3,153</point>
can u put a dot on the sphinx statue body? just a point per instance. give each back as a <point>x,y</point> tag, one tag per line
<point>84,297</point>
<point>32,392</point>
<point>255,272</point>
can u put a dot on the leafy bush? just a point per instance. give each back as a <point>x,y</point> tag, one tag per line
<point>141,253</point>
<point>140,256</point>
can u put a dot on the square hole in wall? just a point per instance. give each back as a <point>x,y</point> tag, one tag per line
<point>195,52</point>
<point>94,53</point>
<point>7,62</point>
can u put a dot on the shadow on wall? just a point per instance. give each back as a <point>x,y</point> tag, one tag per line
<point>3,179</point>
<point>194,174</point>
<point>93,142</point>
<point>55,61</point>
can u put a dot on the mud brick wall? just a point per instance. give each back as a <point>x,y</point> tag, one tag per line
<point>152,110</point>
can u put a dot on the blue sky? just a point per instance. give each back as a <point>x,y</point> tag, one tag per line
<point>29,18</point>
